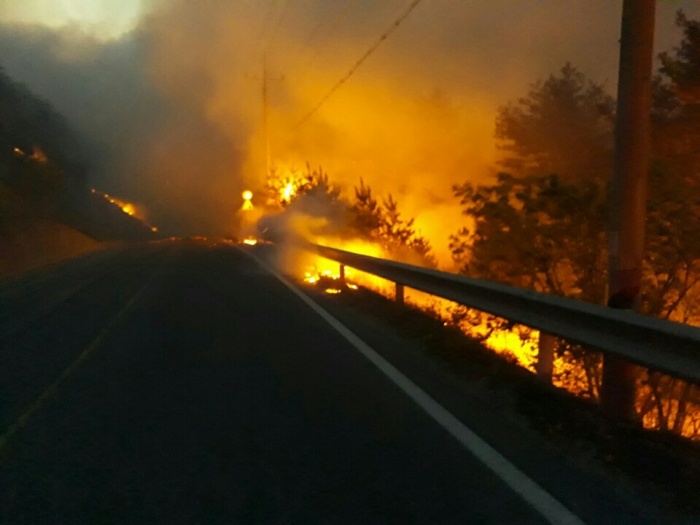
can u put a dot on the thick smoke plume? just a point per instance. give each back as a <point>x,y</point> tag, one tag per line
<point>173,110</point>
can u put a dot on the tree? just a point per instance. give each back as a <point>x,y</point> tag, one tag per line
<point>543,234</point>
<point>544,226</point>
<point>563,126</point>
<point>673,226</point>
<point>682,69</point>
<point>400,238</point>
<point>283,187</point>
<point>672,273</point>
<point>535,232</point>
<point>382,223</point>
<point>365,212</point>
<point>547,230</point>
<point>312,194</point>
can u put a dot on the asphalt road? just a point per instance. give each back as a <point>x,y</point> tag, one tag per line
<point>184,383</point>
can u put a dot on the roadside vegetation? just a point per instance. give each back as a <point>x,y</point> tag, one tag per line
<point>542,222</point>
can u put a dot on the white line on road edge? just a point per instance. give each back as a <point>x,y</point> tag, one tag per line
<point>51,389</point>
<point>551,509</point>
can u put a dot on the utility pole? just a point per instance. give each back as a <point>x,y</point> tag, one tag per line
<point>266,131</point>
<point>629,190</point>
<point>266,114</point>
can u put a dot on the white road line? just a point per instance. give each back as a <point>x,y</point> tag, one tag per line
<point>543,502</point>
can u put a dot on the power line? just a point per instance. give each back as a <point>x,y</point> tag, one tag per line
<point>323,27</point>
<point>357,64</point>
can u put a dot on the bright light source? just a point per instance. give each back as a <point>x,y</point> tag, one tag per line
<point>288,192</point>
<point>247,195</point>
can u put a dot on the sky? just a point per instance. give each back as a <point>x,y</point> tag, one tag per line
<point>169,92</point>
<point>106,19</point>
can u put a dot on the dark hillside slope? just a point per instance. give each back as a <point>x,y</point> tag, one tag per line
<point>47,211</point>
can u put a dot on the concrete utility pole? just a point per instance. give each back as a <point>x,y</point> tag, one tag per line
<point>629,190</point>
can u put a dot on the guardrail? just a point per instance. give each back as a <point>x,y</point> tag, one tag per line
<point>657,344</point>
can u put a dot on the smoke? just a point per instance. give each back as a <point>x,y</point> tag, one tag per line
<point>147,143</point>
<point>174,116</point>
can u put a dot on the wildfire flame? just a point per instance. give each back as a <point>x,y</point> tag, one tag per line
<point>287,192</point>
<point>129,208</point>
<point>332,283</point>
<point>320,272</point>
<point>37,155</point>
<point>126,207</point>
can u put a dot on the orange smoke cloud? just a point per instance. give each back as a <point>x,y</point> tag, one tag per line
<point>402,135</point>
<point>181,113</point>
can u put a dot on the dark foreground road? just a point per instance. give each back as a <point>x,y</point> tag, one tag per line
<point>178,383</point>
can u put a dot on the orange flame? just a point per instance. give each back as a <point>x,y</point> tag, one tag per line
<point>129,208</point>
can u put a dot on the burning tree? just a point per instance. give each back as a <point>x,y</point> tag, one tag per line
<point>544,224</point>
<point>544,234</point>
<point>382,223</point>
<point>671,291</point>
<point>363,217</point>
<point>283,187</point>
<point>672,280</point>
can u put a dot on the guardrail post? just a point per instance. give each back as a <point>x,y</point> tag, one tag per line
<point>342,271</point>
<point>545,356</point>
<point>399,295</point>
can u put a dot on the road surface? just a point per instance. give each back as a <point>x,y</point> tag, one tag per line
<point>185,383</point>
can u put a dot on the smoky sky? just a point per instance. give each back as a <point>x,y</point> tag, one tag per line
<point>172,111</point>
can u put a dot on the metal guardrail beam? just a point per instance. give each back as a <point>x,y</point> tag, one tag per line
<point>665,346</point>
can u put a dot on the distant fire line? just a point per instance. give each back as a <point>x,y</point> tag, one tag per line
<point>126,207</point>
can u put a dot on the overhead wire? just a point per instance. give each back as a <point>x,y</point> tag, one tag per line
<point>321,29</point>
<point>357,64</point>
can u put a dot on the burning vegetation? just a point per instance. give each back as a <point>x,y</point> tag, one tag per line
<point>131,209</point>
<point>540,224</point>
<point>305,204</point>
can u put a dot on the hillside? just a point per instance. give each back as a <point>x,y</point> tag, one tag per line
<point>47,211</point>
